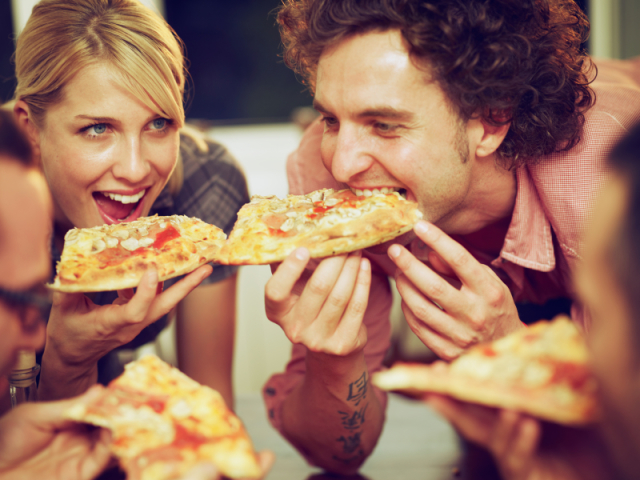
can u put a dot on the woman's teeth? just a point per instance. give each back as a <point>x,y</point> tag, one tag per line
<point>367,192</point>
<point>125,198</point>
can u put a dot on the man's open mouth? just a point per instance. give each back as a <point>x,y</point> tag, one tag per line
<point>116,208</point>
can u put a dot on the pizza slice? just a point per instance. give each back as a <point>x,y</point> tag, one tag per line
<point>114,257</point>
<point>163,423</point>
<point>326,222</point>
<point>542,370</point>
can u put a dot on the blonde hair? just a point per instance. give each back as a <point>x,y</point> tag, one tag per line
<point>62,37</point>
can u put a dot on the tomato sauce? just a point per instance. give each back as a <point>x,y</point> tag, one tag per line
<point>110,257</point>
<point>165,236</point>
<point>186,439</point>
<point>570,373</point>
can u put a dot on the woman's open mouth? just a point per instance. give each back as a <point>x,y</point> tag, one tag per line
<point>118,208</point>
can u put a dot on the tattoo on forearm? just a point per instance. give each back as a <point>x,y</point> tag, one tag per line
<point>353,422</point>
<point>358,389</point>
<point>350,443</point>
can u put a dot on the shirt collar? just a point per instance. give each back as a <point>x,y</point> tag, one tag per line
<point>529,241</point>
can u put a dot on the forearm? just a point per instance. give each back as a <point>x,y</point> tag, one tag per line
<point>333,415</point>
<point>59,379</point>
<point>205,333</point>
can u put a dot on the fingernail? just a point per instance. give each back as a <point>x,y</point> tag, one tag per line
<point>421,227</point>
<point>394,251</point>
<point>302,254</point>
<point>364,265</point>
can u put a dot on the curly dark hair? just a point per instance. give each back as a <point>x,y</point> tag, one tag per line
<point>509,61</point>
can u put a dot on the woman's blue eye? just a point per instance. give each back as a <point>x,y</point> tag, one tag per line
<point>159,123</point>
<point>99,128</point>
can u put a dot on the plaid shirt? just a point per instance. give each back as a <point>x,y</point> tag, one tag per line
<point>554,199</point>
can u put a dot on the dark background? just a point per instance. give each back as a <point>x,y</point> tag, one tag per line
<point>233,47</point>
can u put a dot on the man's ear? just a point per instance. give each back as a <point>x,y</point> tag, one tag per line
<point>25,122</point>
<point>491,137</point>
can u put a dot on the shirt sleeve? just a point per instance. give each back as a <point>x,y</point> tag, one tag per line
<point>306,173</point>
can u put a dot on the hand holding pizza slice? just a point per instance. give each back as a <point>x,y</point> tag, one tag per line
<point>115,257</point>
<point>541,370</point>
<point>325,222</point>
<point>163,424</point>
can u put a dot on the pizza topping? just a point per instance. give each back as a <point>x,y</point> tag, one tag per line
<point>122,234</point>
<point>72,236</point>
<point>111,241</point>
<point>145,242</point>
<point>165,236</point>
<point>274,221</point>
<point>130,244</point>
<point>98,246</point>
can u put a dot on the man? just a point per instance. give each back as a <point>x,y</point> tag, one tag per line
<point>35,440</point>
<point>482,113</point>
<point>608,285</point>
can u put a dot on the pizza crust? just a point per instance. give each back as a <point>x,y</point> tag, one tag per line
<point>115,257</point>
<point>163,423</point>
<point>326,222</point>
<point>542,371</point>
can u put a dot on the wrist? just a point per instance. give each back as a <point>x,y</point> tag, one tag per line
<point>335,368</point>
<point>61,379</point>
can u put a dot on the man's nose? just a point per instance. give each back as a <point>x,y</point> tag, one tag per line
<point>351,154</point>
<point>130,164</point>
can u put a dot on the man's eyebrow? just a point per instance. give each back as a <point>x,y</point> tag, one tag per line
<point>375,111</point>
<point>318,106</point>
<point>387,112</point>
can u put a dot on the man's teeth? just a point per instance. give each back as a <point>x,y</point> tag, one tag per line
<point>375,191</point>
<point>125,198</point>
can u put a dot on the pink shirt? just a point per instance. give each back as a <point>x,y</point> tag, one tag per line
<point>553,202</point>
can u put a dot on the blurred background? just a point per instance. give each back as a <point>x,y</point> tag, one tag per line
<point>243,95</point>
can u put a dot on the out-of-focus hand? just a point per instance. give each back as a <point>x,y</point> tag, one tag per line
<point>323,310</point>
<point>450,316</point>
<point>207,471</point>
<point>37,443</point>
<point>82,332</point>
<point>523,447</point>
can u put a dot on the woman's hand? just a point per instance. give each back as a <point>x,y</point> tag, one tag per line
<point>36,442</point>
<point>80,332</point>
<point>324,310</point>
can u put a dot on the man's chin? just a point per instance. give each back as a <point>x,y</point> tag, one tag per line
<point>381,249</point>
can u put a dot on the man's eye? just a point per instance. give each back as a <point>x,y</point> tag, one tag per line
<point>329,121</point>
<point>385,127</point>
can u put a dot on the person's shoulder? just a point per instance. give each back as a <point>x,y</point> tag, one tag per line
<point>197,149</point>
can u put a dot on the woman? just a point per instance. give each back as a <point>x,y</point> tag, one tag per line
<point>99,91</point>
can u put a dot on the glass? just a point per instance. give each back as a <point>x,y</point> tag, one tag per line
<point>22,385</point>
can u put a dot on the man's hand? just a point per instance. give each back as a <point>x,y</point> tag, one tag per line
<point>449,315</point>
<point>324,310</point>
<point>36,442</point>
<point>523,447</point>
<point>80,332</point>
